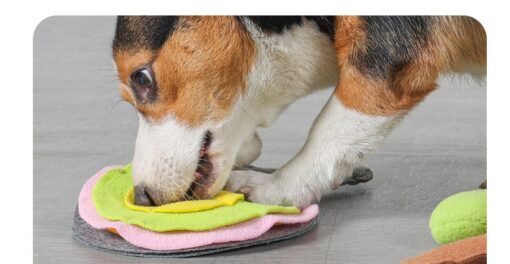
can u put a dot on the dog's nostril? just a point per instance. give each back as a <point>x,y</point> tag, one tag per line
<point>142,196</point>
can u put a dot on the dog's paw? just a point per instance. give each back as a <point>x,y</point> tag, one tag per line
<point>277,194</point>
<point>266,188</point>
<point>246,180</point>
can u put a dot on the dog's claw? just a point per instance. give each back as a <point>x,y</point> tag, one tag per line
<point>359,175</point>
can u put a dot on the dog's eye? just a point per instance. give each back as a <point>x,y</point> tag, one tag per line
<point>142,79</point>
<point>143,85</point>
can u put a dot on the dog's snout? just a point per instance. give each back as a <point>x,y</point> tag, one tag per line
<point>142,196</point>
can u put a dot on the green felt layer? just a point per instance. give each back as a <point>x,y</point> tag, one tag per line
<point>108,196</point>
<point>459,216</point>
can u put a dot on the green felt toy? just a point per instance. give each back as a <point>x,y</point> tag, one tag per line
<point>460,216</point>
<point>108,197</point>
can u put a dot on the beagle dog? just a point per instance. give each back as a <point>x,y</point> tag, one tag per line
<point>202,86</point>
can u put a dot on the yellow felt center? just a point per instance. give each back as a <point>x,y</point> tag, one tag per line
<point>224,198</point>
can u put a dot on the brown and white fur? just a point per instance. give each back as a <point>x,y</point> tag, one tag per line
<point>214,80</point>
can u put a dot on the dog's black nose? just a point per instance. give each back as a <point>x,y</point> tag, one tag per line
<point>142,196</point>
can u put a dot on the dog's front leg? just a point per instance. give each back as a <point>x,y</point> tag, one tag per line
<point>338,141</point>
<point>249,152</point>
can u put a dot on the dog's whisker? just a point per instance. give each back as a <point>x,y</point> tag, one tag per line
<point>201,167</point>
<point>186,197</point>
<point>194,194</point>
<point>115,105</point>
<point>201,185</point>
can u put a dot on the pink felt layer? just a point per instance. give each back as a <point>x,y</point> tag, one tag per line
<point>181,240</point>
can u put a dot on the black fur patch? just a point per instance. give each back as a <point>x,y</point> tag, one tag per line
<point>277,24</point>
<point>326,24</point>
<point>143,32</point>
<point>392,42</point>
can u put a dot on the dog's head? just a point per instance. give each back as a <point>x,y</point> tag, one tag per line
<point>186,77</point>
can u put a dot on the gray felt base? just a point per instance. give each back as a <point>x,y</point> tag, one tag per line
<point>106,241</point>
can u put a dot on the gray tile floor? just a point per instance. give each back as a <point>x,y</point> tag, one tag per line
<point>440,149</point>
